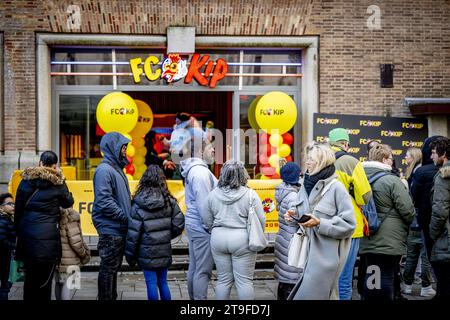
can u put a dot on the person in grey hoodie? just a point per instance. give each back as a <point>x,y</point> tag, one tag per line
<point>112,207</point>
<point>226,215</point>
<point>198,183</point>
<point>285,195</point>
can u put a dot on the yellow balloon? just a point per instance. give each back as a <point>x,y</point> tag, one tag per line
<point>139,142</point>
<point>130,177</point>
<point>274,161</point>
<point>138,175</point>
<point>130,150</point>
<point>263,177</point>
<point>251,113</point>
<point>145,120</point>
<point>277,170</point>
<point>142,167</point>
<point>275,140</point>
<point>138,160</point>
<point>117,111</point>
<point>142,151</point>
<point>284,150</point>
<point>276,110</point>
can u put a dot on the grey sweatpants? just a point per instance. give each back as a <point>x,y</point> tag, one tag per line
<point>200,262</point>
<point>235,263</point>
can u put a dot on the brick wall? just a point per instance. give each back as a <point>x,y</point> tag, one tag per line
<point>414,35</point>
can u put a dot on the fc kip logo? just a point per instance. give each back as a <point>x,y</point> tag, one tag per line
<point>389,133</point>
<point>369,123</point>
<point>174,68</point>
<point>327,121</point>
<point>410,125</point>
<point>122,111</point>
<point>416,144</point>
<point>268,205</point>
<point>271,112</point>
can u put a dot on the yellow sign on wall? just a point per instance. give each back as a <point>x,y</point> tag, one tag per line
<point>83,194</point>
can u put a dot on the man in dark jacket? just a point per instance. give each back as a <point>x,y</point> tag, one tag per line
<point>40,195</point>
<point>421,186</point>
<point>440,225</point>
<point>112,207</point>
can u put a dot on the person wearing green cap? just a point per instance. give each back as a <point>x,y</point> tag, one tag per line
<point>351,173</point>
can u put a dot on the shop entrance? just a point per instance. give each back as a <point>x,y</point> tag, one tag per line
<point>212,109</point>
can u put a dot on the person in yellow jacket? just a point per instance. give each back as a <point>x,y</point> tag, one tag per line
<point>351,173</point>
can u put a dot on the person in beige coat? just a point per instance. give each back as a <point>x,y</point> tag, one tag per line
<point>75,252</point>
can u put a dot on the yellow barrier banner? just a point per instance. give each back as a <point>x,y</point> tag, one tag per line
<point>83,194</point>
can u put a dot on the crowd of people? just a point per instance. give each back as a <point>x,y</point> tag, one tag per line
<point>330,203</point>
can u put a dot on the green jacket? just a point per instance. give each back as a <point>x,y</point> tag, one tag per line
<point>439,226</point>
<point>392,199</point>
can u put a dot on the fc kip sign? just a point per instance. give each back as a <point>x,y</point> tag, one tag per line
<point>174,68</point>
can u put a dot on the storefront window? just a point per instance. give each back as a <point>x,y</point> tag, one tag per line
<point>79,134</point>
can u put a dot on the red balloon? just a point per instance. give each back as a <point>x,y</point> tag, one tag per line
<point>263,159</point>
<point>289,159</point>
<point>267,170</point>
<point>130,160</point>
<point>130,169</point>
<point>275,176</point>
<point>288,138</point>
<point>264,138</point>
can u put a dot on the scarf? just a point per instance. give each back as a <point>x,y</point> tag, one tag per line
<point>311,181</point>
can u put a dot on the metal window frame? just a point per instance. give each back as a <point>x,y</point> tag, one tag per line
<point>2,97</point>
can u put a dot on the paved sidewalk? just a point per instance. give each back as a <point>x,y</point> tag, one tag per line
<point>131,286</point>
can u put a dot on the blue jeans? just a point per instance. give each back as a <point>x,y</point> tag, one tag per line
<point>346,277</point>
<point>157,279</point>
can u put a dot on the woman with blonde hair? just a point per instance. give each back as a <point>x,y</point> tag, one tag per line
<point>325,205</point>
<point>413,158</point>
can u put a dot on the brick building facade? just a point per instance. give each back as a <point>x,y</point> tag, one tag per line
<point>414,36</point>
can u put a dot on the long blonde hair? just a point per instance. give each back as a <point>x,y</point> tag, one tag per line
<point>416,155</point>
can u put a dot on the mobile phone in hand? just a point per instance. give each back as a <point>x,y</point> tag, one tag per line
<point>304,218</point>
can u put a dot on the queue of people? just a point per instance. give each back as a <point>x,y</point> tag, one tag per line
<point>328,204</point>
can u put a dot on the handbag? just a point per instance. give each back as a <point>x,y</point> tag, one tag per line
<point>257,240</point>
<point>298,250</point>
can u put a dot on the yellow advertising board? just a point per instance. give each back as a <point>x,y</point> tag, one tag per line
<point>83,194</point>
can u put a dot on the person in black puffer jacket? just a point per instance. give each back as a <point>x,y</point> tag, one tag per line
<point>422,183</point>
<point>155,220</point>
<point>7,241</point>
<point>40,195</point>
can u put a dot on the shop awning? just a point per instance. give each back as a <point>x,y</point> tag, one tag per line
<point>428,106</point>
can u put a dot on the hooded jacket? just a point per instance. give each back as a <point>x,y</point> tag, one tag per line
<point>7,232</point>
<point>228,208</point>
<point>422,181</point>
<point>39,197</point>
<point>74,250</point>
<point>440,225</point>
<point>198,183</point>
<point>154,222</point>
<point>351,173</point>
<point>285,195</point>
<point>112,199</point>
<point>395,206</point>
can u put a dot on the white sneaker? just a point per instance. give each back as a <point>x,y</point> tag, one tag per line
<point>427,291</point>
<point>407,288</point>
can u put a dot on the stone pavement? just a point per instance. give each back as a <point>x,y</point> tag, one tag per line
<point>131,286</point>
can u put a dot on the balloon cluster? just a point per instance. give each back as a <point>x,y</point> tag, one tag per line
<point>118,112</point>
<point>275,113</point>
<point>275,149</point>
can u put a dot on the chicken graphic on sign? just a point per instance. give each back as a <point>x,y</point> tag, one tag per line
<point>174,68</point>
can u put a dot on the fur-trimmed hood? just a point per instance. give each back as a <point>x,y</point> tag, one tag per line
<point>445,171</point>
<point>70,214</point>
<point>54,176</point>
